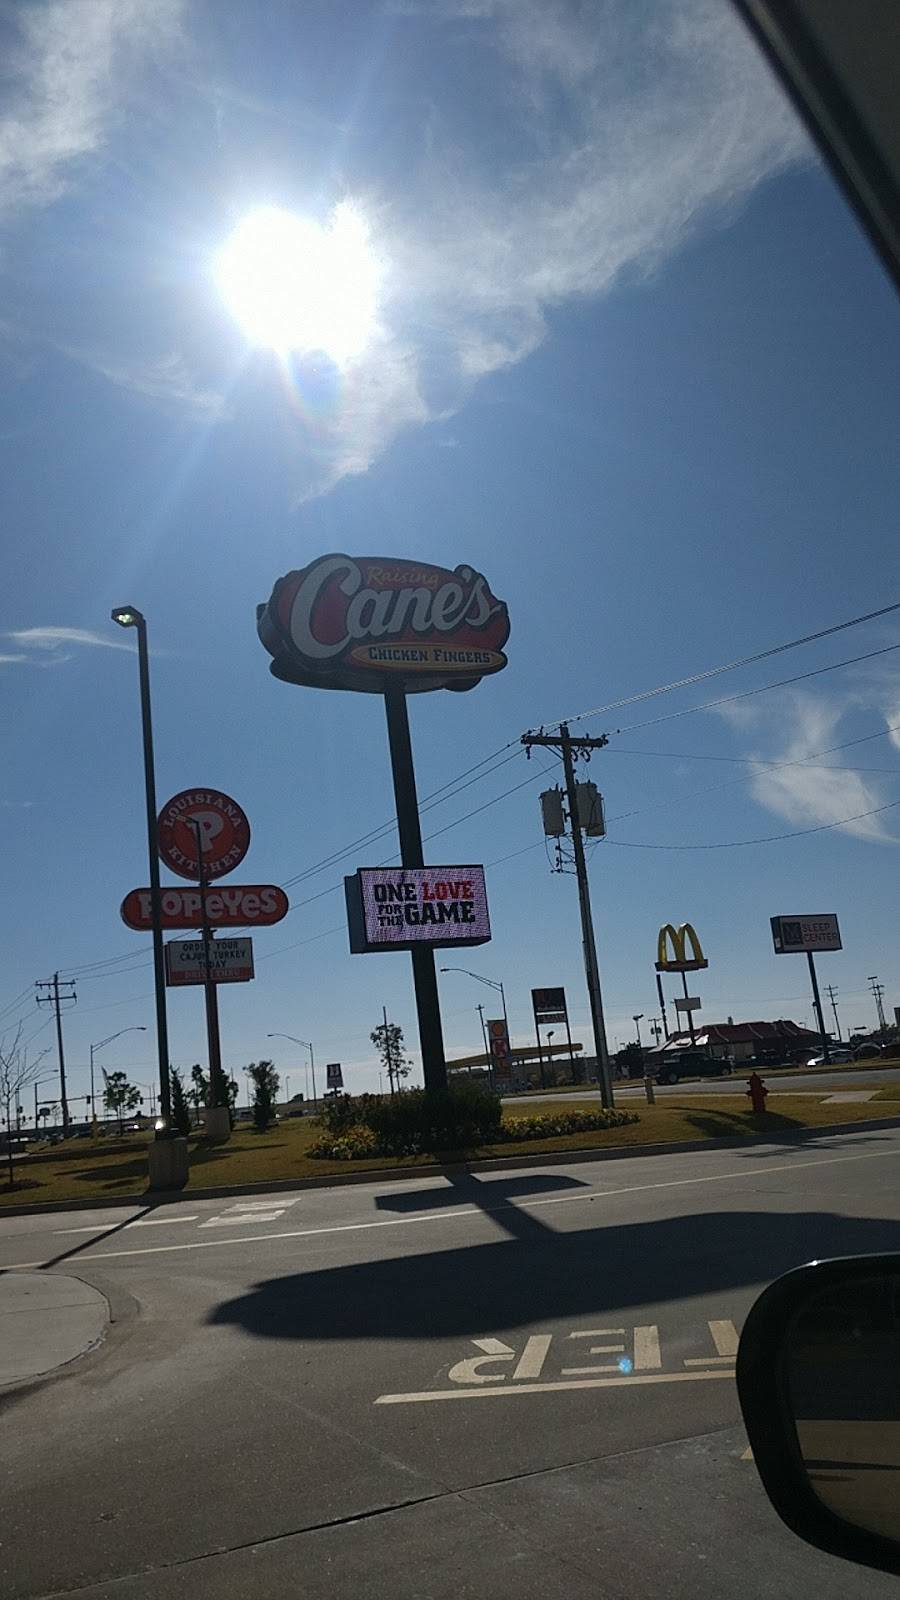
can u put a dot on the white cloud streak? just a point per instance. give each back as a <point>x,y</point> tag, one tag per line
<point>55,640</point>
<point>67,77</point>
<point>635,128</point>
<point>814,795</point>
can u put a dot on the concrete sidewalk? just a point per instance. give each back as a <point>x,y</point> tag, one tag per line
<point>46,1320</point>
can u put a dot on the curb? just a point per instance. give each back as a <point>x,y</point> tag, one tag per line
<point>550,1158</point>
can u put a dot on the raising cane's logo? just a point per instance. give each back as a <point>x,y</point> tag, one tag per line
<point>364,622</point>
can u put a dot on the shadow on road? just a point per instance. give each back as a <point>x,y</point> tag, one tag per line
<point>492,1195</point>
<point>544,1275</point>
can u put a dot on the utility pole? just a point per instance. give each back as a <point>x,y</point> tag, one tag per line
<point>570,748</point>
<point>878,996</point>
<point>57,999</point>
<point>831,992</point>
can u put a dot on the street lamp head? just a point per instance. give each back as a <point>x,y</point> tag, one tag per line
<point>126,616</point>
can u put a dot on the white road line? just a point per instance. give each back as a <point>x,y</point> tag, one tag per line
<point>724,1337</point>
<point>237,1221</point>
<point>709,1361</point>
<point>460,1212</point>
<point>163,1222</point>
<point>647,1357</point>
<point>534,1355</point>
<point>94,1227</point>
<point>546,1388</point>
<point>111,1227</point>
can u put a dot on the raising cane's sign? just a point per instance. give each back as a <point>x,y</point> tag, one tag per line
<point>365,622</point>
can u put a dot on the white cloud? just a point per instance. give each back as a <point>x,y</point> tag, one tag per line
<point>66,77</point>
<point>634,126</point>
<point>822,793</point>
<point>166,380</point>
<point>55,639</point>
<point>615,131</point>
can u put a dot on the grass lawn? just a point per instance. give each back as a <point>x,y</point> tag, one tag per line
<point>83,1171</point>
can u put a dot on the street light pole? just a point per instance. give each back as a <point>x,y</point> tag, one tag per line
<point>137,1028</point>
<point>637,1019</point>
<point>305,1045</point>
<point>130,617</point>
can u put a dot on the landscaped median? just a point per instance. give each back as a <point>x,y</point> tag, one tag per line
<point>80,1171</point>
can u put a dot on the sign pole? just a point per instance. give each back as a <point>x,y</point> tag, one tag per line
<point>690,1015</point>
<point>818,1006</point>
<point>214,1044</point>
<point>431,1037</point>
<point>662,1004</point>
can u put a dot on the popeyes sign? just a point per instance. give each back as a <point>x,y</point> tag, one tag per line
<point>365,622</point>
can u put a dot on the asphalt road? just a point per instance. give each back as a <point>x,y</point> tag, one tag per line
<point>810,1082</point>
<point>512,1385</point>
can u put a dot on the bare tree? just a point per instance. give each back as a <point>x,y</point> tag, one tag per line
<point>16,1073</point>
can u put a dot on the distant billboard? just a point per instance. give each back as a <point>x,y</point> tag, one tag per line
<point>398,908</point>
<point>792,935</point>
<point>549,1005</point>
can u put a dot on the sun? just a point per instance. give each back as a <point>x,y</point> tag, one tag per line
<point>293,285</point>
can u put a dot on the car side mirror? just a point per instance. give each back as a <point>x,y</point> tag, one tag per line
<point>818,1375</point>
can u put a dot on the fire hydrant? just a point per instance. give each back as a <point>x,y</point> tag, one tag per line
<point>757,1092</point>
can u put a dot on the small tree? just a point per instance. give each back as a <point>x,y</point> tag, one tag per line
<point>181,1115</point>
<point>198,1094</point>
<point>16,1072</point>
<point>120,1096</point>
<point>266,1084</point>
<point>388,1040</point>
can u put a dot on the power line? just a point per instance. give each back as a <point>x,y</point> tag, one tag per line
<point>730,666</point>
<point>772,838</point>
<point>745,694</point>
<point>770,766</point>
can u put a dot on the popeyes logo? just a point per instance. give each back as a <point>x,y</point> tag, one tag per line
<point>365,622</point>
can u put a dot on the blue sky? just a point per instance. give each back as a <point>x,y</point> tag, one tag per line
<point>633,360</point>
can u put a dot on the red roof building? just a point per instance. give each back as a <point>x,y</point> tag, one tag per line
<point>745,1039</point>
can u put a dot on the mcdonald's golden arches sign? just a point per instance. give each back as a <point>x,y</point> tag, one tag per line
<point>679,939</point>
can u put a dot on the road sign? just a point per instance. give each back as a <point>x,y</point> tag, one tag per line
<point>796,934</point>
<point>230,961</point>
<point>549,1005</point>
<point>333,1075</point>
<point>224,832</point>
<point>258,904</point>
<point>688,1002</point>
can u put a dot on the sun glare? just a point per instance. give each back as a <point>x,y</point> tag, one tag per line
<point>293,285</point>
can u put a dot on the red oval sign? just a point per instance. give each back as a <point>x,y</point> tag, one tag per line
<point>360,622</point>
<point>224,833</point>
<point>232,906</point>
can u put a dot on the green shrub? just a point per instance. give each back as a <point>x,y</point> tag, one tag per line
<point>414,1122</point>
<point>346,1111</point>
<point>418,1121</point>
<point>553,1124</point>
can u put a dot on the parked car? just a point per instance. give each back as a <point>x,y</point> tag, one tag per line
<point>835,1053</point>
<point>677,1064</point>
<point>864,1051</point>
